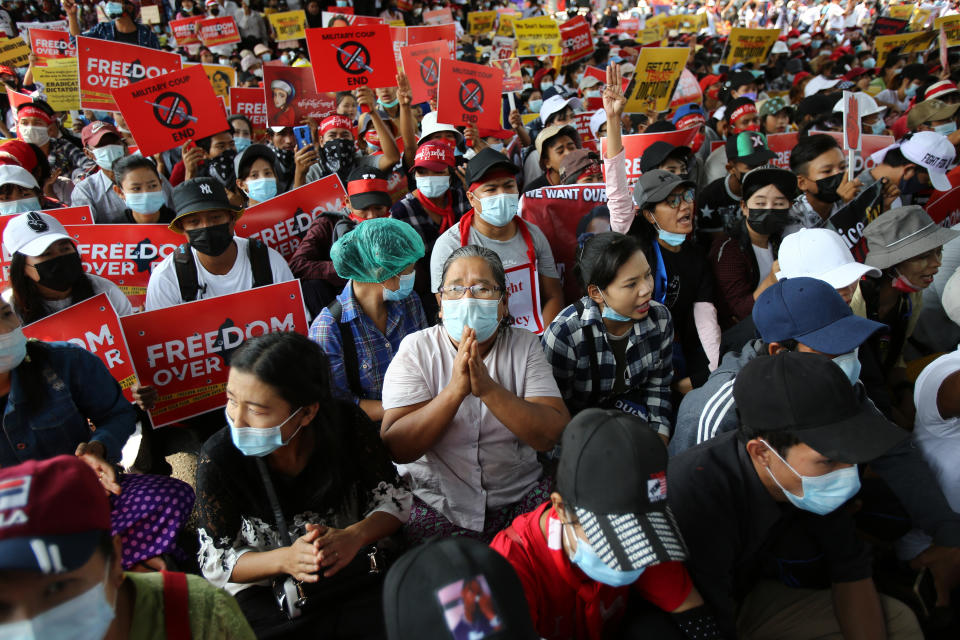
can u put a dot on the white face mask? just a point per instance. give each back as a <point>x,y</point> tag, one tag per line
<point>34,134</point>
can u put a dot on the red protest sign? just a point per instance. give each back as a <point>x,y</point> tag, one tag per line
<point>106,65</point>
<point>291,96</point>
<point>282,222</point>
<point>346,58</point>
<point>469,94</point>
<point>781,144</point>
<point>576,40</point>
<point>421,63</point>
<point>165,112</point>
<point>944,207</point>
<point>637,143</point>
<point>431,33</point>
<point>597,73</point>
<point>249,102</point>
<point>49,43</point>
<point>92,324</point>
<point>438,16</point>
<point>188,362</point>
<point>185,31</point>
<point>869,145</point>
<point>851,122</point>
<point>66,215</point>
<point>217,31</point>
<point>124,254</point>
<point>16,98</point>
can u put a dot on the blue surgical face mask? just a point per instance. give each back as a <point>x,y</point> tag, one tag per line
<point>821,494</point>
<point>13,349</point>
<point>612,314</point>
<point>500,209</point>
<point>910,91</point>
<point>106,156</point>
<point>389,105</point>
<point>262,189</point>
<point>20,206</point>
<point>596,569</point>
<point>342,3</point>
<point>750,94</point>
<point>259,442</point>
<point>266,57</point>
<point>405,289</point>
<point>242,143</point>
<point>496,146</point>
<point>592,93</point>
<point>114,9</point>
<point>850,363</point>
<point>946,129</point>
<point>869,63</point>
<point>877,127</point>
<point>715,68</point>
<point>545,84</point>
<point>535,105</point>
<point>527,85</point>
<point>671,238</point>
<point>145,201</point>
<point>815,44</point>
<point>433,186</point>
<point>483,316</point>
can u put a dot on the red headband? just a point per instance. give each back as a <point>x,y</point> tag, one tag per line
<point>688,121</point>
<point>492,175</point>
<point>336,122</point>
<point>30,111</point>
<point>358,187</point>
<point>743,110</point>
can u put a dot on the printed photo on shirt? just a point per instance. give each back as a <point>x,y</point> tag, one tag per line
<point>469,609</point>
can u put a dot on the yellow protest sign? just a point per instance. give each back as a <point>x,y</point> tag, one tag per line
<point>652,34</point>
<point>901,11</point>
<point>14,52</point>
<point>750,45</point>
<point>951,27</point>
<point>655,78</point>
<point>505,27</point>
<point>537,37</point>
<point>683,23</point>
<point>910,43</point>
<point>289,25</point>
<point>221,78</point>
<point>920,18</point>
<point>529,117</point>
<point>60,83</point>
<point>481,21</point>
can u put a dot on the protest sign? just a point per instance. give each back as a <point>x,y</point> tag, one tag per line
<point>165,112</point>
<point>951,27</point>
<point>885,26</point>
<point>869,145</point>
<point>124,254</point>
<point>421,64</point>
<point>213,32</point>
<point>149,14</point>
<point>281,222</point>
<point>900,11</point>
<point>289,25</point>
<point>445,32</point>
<point>782,145</point>
<point>655,78</point>
<point>750,45</point>
<point>48,44</point>
<point>851,220</point>
<point>469,94</point>
<point>346,58</point>
<point>339,18</point>
<point>92,325</point>
<point>537,37</point>
<point>908,43</point>
<point>221,77</point>
<point>16,98</point>
<point>249,102</point>
<point>66,215</point>
<point>944,207</point>
<point>106,65</point>
<point>852,138</point>
<point>652,35</point>
<point>920,19</point>
<point>59,81</point>
<point>291,95</point>
<point>53,25</point>
<point>628,26</point>
<point>582,123</point>
<point>187,362</point>
<point>185,31</point>
<point>576,40</point>
<point>481,21</point>
<point>507,18</point>
<point>512,80</point>
<point>14,52</point>
<point>438,16</point>
<point>636,144</point>
<point>503,48</point>
<point>687,91</point>
<point>596,72</point>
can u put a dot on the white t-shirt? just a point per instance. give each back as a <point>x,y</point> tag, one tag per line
<point>120,302</point>
<point>764,260</point>
<point>163,290</point>
<point>835,18</point>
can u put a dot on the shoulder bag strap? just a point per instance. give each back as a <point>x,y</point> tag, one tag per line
<point>186,270</point>
<point>260,263</point>
<point>176,606</point>
<point>351,364</point>
<point>274,503</point>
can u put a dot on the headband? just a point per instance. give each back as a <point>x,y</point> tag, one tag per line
<point>743,110</point>
<point>336,122</point>
<point>30,111</point>
<point>366,185</point>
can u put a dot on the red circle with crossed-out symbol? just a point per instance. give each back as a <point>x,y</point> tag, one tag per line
<point>172,110</point>
<point>429,72</point>
<point>353,57</point>
<point>471,95</point>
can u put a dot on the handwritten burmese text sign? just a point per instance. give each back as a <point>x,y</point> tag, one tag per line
<point>106,65</point>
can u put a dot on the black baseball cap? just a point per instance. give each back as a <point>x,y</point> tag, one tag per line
<point>749,147</point>
<point>808,396</point>
<point>247,157</point>
<point>739,79</point>
<point>654,186</point>
<point>631,527</point>
<point>422,593</point>
<point>197,195</point>
<point>657,153</point>
<point>486,161</point>
<point>367,187</point>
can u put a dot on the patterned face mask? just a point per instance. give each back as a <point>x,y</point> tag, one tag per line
<point>338,155</point>
<point>221,168</point>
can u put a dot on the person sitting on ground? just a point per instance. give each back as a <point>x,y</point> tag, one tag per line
<point>256,170</point>
<point>822,178</point>
<point>553,143</point>
<point>139,185</point>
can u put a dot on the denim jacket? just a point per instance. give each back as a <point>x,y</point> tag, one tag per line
<point>78,388</point>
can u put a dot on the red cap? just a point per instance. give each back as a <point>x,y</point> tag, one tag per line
<point>707,81</point>
<point>797,45</point>
<point>797,79</point>
<point>337,121</point>
<point>501,134</point>
<point>855,73</point>
<point>93,132</point>
<point>7,71</point>
<point>539,75</point>
<point>435,156</point>
<point>21,152</point>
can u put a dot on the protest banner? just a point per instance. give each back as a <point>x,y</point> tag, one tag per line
<point>106,65</point>
<point>781,144</point>
<point>149,14</point>
<point>503,48</point>
<point>951,27</point>
<point>14,52</point>
<point>481,22</point>
<point>900,11</point>
<point>346,58</point>
<point>289,25</point>
<point>438,16</point>
<point>48,44</point>
<point>582,123</point>
<point>687,91</point>
<point>576,40</point>
<point>66,215</point>
<point>851,220</point>
<point>59,81</point>
<point>213,32</point>
<point>885,26</point>
<point>167,111</point>
<point>512,80</point>
<point>291,95</point>
<point>655,78</point>
<point>635,144</point>
<point>869,145</point>
<point>93,325</point>
<point>188,362</point>
<point>469,94</point>
<point>627,26</point>
<point>750,45</point>
<point>281,222</point>
<point>507,17</point>
<point>652,35</point>
<point>944,207</point>
<point>596,72</point>
<point>908,43</point>
<point>249,102</point>
<point>421,64</point>
<point>124,254</point>
<point>537,37</point>
<point>445,32</point>
<point>221,77</point>
<point>185,31</point>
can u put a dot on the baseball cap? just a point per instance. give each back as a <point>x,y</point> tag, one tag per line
<point>749,147</point>
<point>940,89</point>
<point>56,511</point>
<point>486,161</point>
<point>818,84</point>
<point>686,115</point>
<point>31,233</point>
<point>654,186</point>
<point>575,163</point>
<point>430,126</point>
<point>423,591</point>
<point>808,396</point>
<point>251,153</point>
<point>554,104</point>
<point>596,120</point>
<point>709,81</point>
<point>821,254</point>
<point>783,180</point>
<point>658,152</point>
<point>932,151</point>
<point>94,132</point>
<point>867,106</point>
<point>367,186</point>
<point>772,106</point>
<point>855,73</point>
<point>738,79</point>
<point>19,151</point>
<point>261,49</point>
<point>930,110</point>
<point>197,195</point>
<point>435,156</point>
<point>15,174</point>
<point>632,527</point>
<point>779,47</point>
<point>903,233</point>
<point>554,131</point>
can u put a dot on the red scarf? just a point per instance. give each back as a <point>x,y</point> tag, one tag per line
<point>447,217</point>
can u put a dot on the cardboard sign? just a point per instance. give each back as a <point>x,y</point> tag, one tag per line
<point>106,65</point>
<point>885,26</point>
<point>909,43</point>
<point>166,112</point>
<point>503,48</point>
<point>576,40</point>
<point>944,207</point>
<point>351,57</point>
<point>248,101</point>
<point>289,25</point>
<point>421,63</point>
<point>438,16</point>
<point>124,254</point>
<point>951,27</point>
<point>48,44</point>
<point>59,81</point>
<point>291,95</point>
<point>512,79</point>
<point>481,22</point>
<point>93,325</point>
<point>537,37</point>
<point>655,79</point>
<point>636,144</point>
<point>221,77</point>
<point>216,31</point>
<point>432,33</point>
<point>851,220</point>
<point>186,31</point>
<point>66,215</point>
<point>750,45</point>
<point>14,52</point>
<point>469,94</point>
<point>188,362</point>
<point>920,19</point>
<point>282,222</point>
<point>53,25</point>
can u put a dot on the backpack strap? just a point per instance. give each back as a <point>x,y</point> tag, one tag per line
<point>259,255</point>
<point>351,364</point>
<point>176,605</point>
<point>592,352</point>
<point>186,270</point>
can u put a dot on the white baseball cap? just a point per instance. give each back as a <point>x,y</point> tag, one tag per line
<point>951,297</point>
<point>868,106</point>
<point>780,47</point>
<point>932,151</point>
<point>15,174</point>
<point>820,254</point>
<point>817,84</point>
<point>552,105</point>
<point>31,233</point>
<point>430,126</point>
<point>596,121</point>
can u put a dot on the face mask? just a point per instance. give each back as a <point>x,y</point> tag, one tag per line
<point>483,316</point>
<point>850,363</point>
<point>60,273</point>
<point>34,135</point>
<point>870,63</point>
<point>262,189</point>
<point>903,285</point>
<point>498,146</point>
<point>715,68</point>
<point>545,84</point>
<point>433,186</point>
<point>342,3</point>
<point>285,59</point>
<point>103,116</point>
<point>13,349</point>
<point>500,209</point>
<point>821,494</point>
<point>612,314</point>
<point>20,206</point>
<point>106,156</point>
<point>768,222</point>
<point>750,94</point>
<point>877,127</point>
<point>215,11</point>
<point>241,143</point>
<point>259,442</point>
<point>406,288</point>
<point>527,85</point>
<point>266,57</point>
<point>592,93</point>
<point>339,154</point>
<point>114,9</point>
<point>671,238</point>
<point>212,241</point>
<point>816,43</point>
<point>535,105</point>
<point>145,201</point>
<point>827,188</point>
<point>596,569</point>
<point>258,72</point>
<point>946,129</point>
<point>750,127</point>
<point>910,91</point>
<point>389,105</point>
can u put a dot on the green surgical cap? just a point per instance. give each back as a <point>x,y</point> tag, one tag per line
<point>376,250</point>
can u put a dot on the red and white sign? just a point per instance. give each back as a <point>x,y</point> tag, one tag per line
<point>438,16</point>
<point>16,98</point>
<point>216,31</point>
<point>48,43</point>
<point>188,362</point>
<point>470,94</point>
<point>106,65</point>
<point>944,207</point>
<point>421,64</point>
<point>249,102</point>
<point>347,58</point>
<point>66,215</point>
<point>851,122</point>
<point>576,40</point>
<point>432,33</point>
<point>185,31</point>
<point>291,95</point>
<point>637,143</point>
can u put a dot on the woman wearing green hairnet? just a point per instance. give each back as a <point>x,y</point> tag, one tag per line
<point>361,331</point>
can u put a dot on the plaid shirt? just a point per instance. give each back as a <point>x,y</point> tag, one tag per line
<point>374,350</point>
<point>649,359</point>
<point>412,212</point>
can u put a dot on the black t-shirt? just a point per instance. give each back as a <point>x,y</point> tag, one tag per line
<point>689,280</point>
<point>717,208</point>
<point>538,183</point>
<point>128,38</point>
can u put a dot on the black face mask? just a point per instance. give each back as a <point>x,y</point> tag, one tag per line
<point>827,188</point>
<point>768,222</point>
<point>221,168</point>
<point>211,241</point>
<point>215,11</point>
<point>285,158</point>
<point>339,154</point>
<point>60,273</point>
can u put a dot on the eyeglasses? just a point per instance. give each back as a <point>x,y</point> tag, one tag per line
<point>674,199</point>
<point>480,291</point>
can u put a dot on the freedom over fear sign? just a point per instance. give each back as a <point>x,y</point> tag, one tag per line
<point>106,65</point>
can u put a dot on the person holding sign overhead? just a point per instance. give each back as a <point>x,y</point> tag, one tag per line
<point>120,28</point>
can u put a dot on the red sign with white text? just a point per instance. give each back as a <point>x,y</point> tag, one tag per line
<point>637,143</point>
<point>944,207</point>
<point>469,94</point>
<point>576,40</point>
<point>106,65</point>
<point>185,31</point>
<point>346,58</point>
<point>217,31</point>
<point>66,215</point>
<point>249,102</point>
<point>438,16</point>
<point>49,43</point>
<point>421,64</point>
<point>431,33</point>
